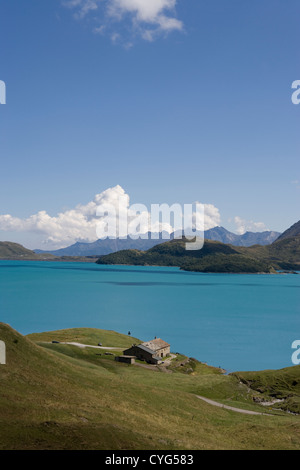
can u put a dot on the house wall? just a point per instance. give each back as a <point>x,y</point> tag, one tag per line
<point>127,360</point>
<point>140,354</point>
<point>163,352</point>
<point>146,356</point>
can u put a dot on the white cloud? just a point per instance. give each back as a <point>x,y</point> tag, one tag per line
<point>82,222</point>
<point>145,10</point>
<point>149,11</point>
<point>83,7</point>
<point>243,226</point>
<point>148,18</point>
<point>78,224</point>
<point>212,216</point>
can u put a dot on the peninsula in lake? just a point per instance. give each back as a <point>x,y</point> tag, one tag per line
<point>217,257</point>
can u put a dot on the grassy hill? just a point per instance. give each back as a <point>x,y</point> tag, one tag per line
<point>282,254</point>
<point>9,250</point>
<point>286,252</point>
<point>282,385</point>
<point>14,251</point>
<point>56,396</point>
<point>90,336</point>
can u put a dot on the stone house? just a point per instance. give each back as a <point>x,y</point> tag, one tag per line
<point>152,351</point>
<point>160,347</point>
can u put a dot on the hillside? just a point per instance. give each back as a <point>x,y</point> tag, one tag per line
<point>14,251</point>
<point>287,252</point>
<point>214,257</point>
<point>57,396</point>
<point>86,336</point>
<point>293,231</point>
<point>9,250</point>
<point>282,254</point>
<point>282,386</point>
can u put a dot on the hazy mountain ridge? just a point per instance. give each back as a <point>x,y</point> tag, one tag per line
<point>107,246</point>
<point>220,234</point>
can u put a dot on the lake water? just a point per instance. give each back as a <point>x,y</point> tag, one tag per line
<point>238,322</point>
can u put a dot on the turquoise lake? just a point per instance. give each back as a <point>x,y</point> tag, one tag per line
<point>238,322</point>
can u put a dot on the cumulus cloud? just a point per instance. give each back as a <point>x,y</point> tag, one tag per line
<point>148,18</point>
<point>243,226</point>
<point>78,224</point>
<point>212,216</point>
<point>88,222</point>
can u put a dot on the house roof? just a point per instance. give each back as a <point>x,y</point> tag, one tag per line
<point>156,344</point>
<point>145,348</point>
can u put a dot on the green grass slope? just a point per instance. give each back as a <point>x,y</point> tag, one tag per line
<point>59,397</point>
<point>282,254</point>
<point>14,251</point>
<point>90,336</point>
<point>286,253</point>
<point>283,385</point>
<point>9,250</point>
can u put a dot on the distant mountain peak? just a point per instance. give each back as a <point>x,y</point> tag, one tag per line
<point>223,235</point>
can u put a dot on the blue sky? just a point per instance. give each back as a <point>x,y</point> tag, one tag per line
<point>176,102</point>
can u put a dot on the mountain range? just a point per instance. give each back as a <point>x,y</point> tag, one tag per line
<point>107,246</point>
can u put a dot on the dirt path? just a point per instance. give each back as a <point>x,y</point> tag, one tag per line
<point>231,408</point>
<point>146,366</point>
<point>80,345</point>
